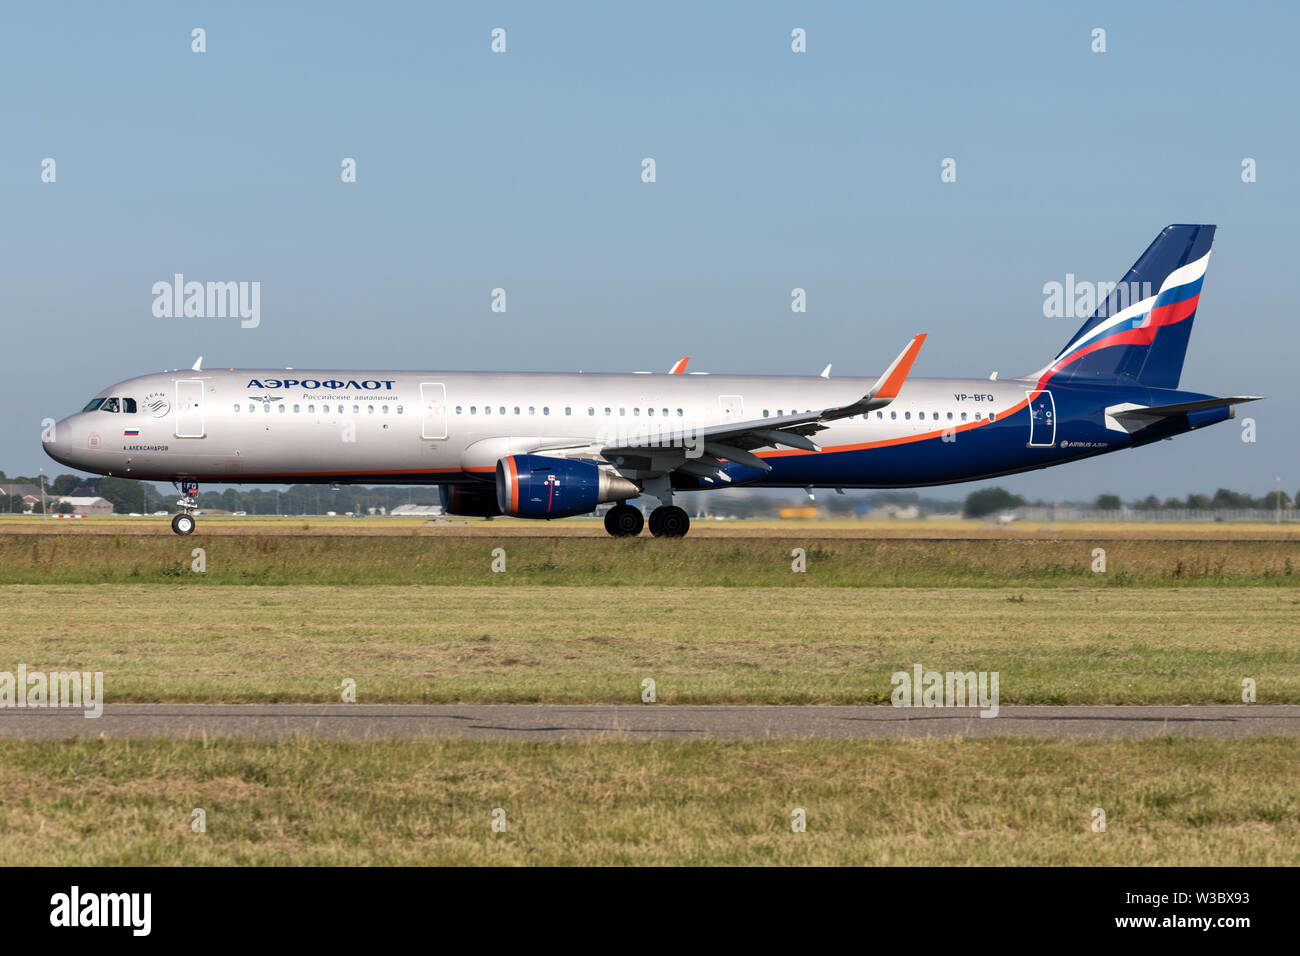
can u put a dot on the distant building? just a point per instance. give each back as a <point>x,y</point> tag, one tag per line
<point>82,506</point>
<point>905,512</point>
<point>30,494</point>
<point>413,511</point>
<point>20,488</point>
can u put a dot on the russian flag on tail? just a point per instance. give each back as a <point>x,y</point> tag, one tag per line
<point>1144,342</point>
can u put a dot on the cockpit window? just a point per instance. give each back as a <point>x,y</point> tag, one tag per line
<point>93,404</point>
<point>128,405</point>
<point>110,405</point>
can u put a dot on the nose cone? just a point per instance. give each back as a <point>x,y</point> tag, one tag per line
<point>59,441</point>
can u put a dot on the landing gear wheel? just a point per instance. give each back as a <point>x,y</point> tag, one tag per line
<point>669,522</point>
<point>624,521</point>
<point>183,524</point>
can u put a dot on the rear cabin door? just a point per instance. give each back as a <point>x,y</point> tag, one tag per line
<point>1042,419</point>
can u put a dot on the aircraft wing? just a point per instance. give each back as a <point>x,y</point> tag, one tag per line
<point>700,452</point>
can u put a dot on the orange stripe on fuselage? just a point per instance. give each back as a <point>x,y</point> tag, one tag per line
<point>902,440</point>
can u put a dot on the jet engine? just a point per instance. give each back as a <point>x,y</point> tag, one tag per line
<point>532,486</point>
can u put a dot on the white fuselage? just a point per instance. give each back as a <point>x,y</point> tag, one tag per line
<point>292,425</point>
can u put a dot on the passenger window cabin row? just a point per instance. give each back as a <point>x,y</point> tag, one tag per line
<point>893,415</point>
<point>311,409</point>
<point>128,405</point>
<point>568,410</point>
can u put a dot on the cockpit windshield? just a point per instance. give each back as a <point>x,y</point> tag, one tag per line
<point>113,404</point>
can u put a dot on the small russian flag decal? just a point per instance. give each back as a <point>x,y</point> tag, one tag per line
<point>130,432</point>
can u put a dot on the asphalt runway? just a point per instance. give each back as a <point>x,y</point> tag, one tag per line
<point>643,722</point>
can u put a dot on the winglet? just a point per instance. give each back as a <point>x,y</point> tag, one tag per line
<point>887,385</point>
<point>197,366</point>
<point>679,366</point>
<point>886,388</point>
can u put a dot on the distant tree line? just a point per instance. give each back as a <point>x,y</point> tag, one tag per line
<point>143,497</point>
<point>988,501</point>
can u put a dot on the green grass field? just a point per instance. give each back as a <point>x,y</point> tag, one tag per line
<point>272,559</point>
<point>868,527</point>
<point>286,610</point>
<point>511,643</point>
<point>944,802</point>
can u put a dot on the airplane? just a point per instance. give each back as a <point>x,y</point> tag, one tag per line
<point>553,445</point>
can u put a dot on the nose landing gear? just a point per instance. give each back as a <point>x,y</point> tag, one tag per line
<point>183,523</point>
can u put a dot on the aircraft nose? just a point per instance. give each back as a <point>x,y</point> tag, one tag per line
<point>57,440</point>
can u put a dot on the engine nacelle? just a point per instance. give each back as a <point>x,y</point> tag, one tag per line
<point>469,501</point>
<point>532,486</point>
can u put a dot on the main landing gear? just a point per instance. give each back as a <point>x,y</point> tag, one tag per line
<point>668,521</point>
<point>183,523</point>
<point>624,521</point>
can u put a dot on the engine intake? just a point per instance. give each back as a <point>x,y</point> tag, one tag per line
<point>533,486</point>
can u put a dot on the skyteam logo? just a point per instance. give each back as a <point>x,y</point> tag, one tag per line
<point>157,404</point>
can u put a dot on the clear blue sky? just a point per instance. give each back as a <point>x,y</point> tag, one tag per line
<point>522,170</point>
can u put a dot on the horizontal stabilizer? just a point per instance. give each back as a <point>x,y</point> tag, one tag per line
<point>1131,418</point>
<point>1181,408</point>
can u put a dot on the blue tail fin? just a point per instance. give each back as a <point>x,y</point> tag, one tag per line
<point>1140,332</point>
